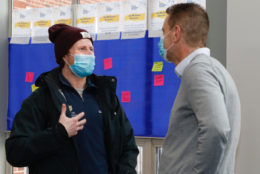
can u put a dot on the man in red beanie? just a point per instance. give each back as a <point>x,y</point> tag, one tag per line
<point>73,123</point>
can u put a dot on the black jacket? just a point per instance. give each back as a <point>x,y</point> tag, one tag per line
<point>37,139</point>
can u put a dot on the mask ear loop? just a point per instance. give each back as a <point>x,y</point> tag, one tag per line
<point>171,43</point>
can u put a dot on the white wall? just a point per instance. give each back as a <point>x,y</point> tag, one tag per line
<point>217,11</point>
<point>3,78</point>
<point>243,61</point>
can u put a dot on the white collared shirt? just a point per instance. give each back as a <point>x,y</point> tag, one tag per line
<point>185,62</point>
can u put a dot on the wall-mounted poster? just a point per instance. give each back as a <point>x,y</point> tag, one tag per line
<point>157,14</point>
<point>62,15</point>
<point>42,20</point>
<point>109,20</point>
<point>21,26</point>
<point>86,15</point>
<point>134,19</point>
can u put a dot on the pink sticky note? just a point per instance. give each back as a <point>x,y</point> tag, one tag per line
<point>29,77</point>
<point>158,80</point>
<point>108,63</point>
<point>126,96</point>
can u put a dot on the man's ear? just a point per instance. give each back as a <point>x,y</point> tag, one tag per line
<point>65,59</point>
<point>177,33</point>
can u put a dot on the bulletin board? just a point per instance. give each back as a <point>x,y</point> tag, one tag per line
<point>147,85</point>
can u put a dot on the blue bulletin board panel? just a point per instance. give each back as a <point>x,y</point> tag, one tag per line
<point>147,85</point>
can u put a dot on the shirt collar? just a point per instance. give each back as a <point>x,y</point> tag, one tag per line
<point>179,69</point>
<point>65,82</point>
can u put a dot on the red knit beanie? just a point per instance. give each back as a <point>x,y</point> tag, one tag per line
<point>64,36</point>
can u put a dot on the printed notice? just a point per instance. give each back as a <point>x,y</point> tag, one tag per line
<point>86,15</point>
<point>21,26</point>
<point>62,15</point>
<point>42,20</point>
<point>109,20</point>
<point>134,19</point>
<point>157,14</point>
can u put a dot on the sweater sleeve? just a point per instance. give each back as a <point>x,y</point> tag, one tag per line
<point>207,101</point>
<point>31,140</point>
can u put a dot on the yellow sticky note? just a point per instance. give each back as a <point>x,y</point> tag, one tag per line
<point>63,21</point>
<point>34,87</point>
<point>159,14</point>
<point>157,67</point>
<point>42,23</point>
<point>109,18</point>
<point>22,25</point>
<point>86,20</point>
<point>135,17</point>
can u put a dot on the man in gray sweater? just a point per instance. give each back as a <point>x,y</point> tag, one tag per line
<point>204,124</point>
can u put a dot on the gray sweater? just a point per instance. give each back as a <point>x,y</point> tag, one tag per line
<point>204,124</point>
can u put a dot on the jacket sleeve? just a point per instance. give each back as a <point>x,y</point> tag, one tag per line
<point>30,139</point>
<point>128,158</point>
<point>205,95</point>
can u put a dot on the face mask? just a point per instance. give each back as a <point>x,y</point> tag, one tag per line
<point>84,65</point>
<point>162,50</point>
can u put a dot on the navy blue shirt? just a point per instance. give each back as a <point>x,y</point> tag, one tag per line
<point>89,141</point>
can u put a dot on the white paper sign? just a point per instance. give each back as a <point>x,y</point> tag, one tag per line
<point>157,14</point>
<point>134,18</point>
<point>42,20</point>
<point>86,18</point>
<point>109,20</point>
<point>21,26</point>
<point>62,15</point>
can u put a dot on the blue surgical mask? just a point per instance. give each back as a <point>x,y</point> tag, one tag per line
<point>84,65</point>
<point>162,50</point>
